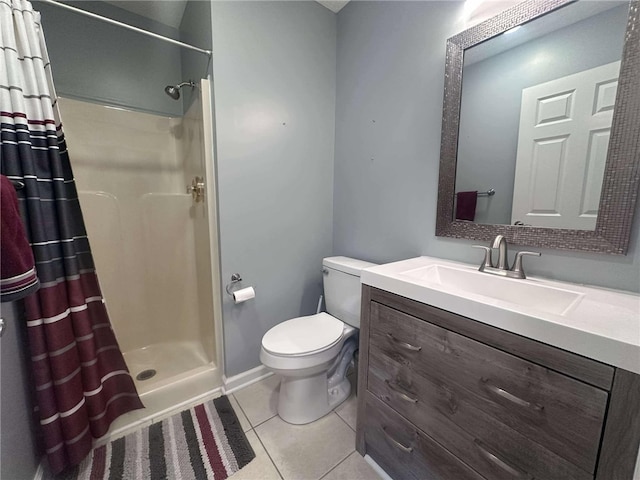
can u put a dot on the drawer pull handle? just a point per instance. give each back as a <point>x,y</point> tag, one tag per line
<point>400,391</point>
<point>499,462</point>
<point>511,397</point>
<point>405,345</point>
<point>396,443</point>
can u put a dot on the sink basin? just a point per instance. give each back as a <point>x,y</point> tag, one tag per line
<point>597,323</point>
<point>515,291</point>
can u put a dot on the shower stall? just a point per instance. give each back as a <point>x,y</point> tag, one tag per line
<point>142,181</point>
<point>150,234</point>
<point>136,111</point>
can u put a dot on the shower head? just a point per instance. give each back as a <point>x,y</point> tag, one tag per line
<point>174,91</point>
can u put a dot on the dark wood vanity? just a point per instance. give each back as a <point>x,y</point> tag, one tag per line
<point>442,396</point>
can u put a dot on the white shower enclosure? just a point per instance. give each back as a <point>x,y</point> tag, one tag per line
<point>155,246</point>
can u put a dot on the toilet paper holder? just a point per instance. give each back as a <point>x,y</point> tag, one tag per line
<point>235,278</point>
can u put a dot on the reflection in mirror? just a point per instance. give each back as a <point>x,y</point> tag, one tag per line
<point>513,102</point>
<point>536,112</point>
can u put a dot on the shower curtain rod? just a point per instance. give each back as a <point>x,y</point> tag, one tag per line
<point>127,26</point>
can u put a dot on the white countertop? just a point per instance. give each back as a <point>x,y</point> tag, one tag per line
<point>603,324</point>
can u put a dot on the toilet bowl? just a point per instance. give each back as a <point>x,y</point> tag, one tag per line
<point>311,354</point>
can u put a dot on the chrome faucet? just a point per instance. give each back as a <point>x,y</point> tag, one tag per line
<point>501,244</point>
<point>502,267</point>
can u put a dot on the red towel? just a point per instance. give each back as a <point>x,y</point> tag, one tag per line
<point>17,268</point>
<point>466,205</point>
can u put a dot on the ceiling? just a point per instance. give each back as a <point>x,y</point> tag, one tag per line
<point>169,12</point>
<point>166,12</point>
<point>333,5</point>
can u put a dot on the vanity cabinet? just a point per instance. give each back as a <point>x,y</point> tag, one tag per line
<point>446,397</point>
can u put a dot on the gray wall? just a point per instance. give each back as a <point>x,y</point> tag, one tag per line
<point>390,70</point>
<point>279,103</point>
<point>18,454</point>
<point>491,98</point>
<point>195,29</point>
<point>274,67</point>
<point>93,60</point>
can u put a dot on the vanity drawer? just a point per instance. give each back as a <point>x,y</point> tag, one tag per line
<point>481,388</point>
<point>452,417</point>
<point>406,453</point>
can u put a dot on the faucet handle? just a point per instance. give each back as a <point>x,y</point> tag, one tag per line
<point>487,262</point>
<point>517,264</point>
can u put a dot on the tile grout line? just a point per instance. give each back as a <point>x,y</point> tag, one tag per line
<point>253,429</point>
<point>269,455</point>
<point>352,429</point>
<point>247,416</point>
<point>262,422</point>
<point>340,417</point>
<point>243,412</point>
<point>324,474</point>
<point>338,464</point>
<point>345,458</point>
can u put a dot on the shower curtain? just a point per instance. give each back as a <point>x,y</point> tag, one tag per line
<point>81,382</point>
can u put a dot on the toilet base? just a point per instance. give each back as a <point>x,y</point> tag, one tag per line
<point>305,400</point>
<point>313,388</point>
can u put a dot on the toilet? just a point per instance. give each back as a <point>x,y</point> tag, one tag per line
<point>311,354</point>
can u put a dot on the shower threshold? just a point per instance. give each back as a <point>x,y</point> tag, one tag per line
<point>169,397</point>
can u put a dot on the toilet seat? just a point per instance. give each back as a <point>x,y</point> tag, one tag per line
<point>311,354</point>
<point>302,336</point>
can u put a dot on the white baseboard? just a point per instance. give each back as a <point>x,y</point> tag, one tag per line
<point>383,475</point>
<point>244,379</point>
<point>40,471</point>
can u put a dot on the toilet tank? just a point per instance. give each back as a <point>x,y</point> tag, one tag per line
<point>342,290</point>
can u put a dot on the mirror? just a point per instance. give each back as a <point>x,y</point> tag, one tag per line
<point>540,127</point>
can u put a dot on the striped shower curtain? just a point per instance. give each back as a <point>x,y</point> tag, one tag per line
<point>81,381</point>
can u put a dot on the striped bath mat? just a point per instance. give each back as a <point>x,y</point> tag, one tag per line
<point>203,443</point>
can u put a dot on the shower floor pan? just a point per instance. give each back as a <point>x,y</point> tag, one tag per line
<point>184,377</point>
<point>169,361</point>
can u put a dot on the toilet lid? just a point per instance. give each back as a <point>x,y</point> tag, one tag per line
<point>303,335</point>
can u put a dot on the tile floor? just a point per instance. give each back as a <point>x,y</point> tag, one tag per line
<point>324,449</point>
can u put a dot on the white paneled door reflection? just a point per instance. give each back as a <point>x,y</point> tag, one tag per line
<point>562,149</point>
